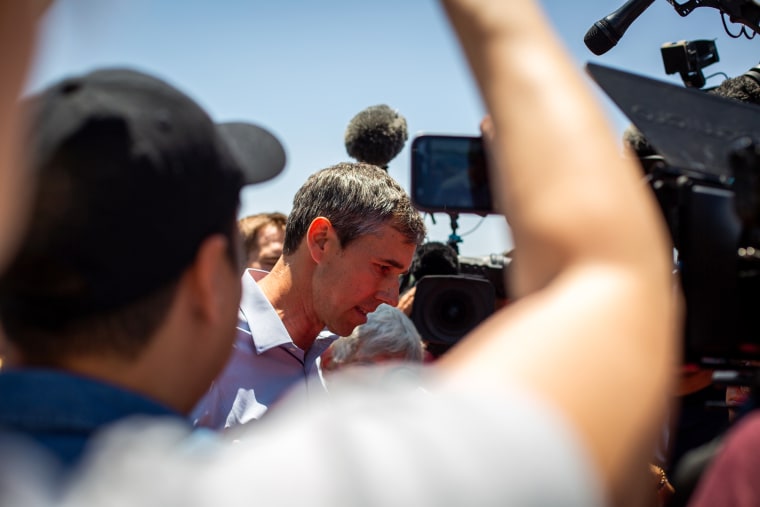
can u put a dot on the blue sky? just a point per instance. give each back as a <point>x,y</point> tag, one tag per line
<point>303,69</point>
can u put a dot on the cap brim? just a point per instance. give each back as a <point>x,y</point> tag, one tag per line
<point>258,153</point>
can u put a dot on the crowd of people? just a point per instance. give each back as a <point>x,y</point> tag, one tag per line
<point>159,351</point>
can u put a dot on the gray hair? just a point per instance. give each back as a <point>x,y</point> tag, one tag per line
<point>358,199</point>
<point>387,332</point>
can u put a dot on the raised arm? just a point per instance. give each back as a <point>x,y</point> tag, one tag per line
<point>594,330</point>
<point>18,23</point>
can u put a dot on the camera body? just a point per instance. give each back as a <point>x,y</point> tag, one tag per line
<point>714,229</point>
<point>493,268</point>
<point>707,184</point>
<point>447,307</point>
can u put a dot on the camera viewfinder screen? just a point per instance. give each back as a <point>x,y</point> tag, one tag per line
<point>449,174</point>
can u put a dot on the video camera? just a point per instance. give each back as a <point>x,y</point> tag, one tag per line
<point>705,175</point>
<point>447,307</point>
<point>450,175</point>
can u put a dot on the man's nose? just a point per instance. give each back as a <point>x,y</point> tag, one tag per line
<point>388,294</point>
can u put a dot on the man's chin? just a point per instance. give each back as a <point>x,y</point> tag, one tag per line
<point>344,328</point>
<point>341,330</point>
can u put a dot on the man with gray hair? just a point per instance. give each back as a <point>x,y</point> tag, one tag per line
<point>350,235</point>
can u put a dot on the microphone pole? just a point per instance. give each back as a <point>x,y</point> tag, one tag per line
<point>606,32</point>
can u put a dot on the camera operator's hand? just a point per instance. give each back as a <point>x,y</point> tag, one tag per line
<point>406,301</point>
<point>595,320</point>
<point>487,133</point>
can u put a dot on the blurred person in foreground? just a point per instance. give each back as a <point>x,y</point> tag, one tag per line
<point>263,236</point>
<point>527,409</point>
<point>122,298</point>
<point>730,477</point>
<point>351,233</point>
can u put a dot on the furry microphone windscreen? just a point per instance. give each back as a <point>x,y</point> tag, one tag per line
<point>744,88</point>
<point>376,135</point>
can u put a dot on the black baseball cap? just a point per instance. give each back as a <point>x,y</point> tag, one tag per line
<point>132,176</point>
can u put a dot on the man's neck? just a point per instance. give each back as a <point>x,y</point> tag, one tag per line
<point>289,293</point>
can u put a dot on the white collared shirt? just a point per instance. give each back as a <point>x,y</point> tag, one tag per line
<point>264,365</point>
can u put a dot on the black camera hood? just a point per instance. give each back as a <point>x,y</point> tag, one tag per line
<point>694,131</point>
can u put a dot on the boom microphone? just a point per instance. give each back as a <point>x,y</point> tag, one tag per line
<point>376,135</point>
<point>606,32</point>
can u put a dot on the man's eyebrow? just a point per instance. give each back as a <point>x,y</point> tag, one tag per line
<point>396,264</point>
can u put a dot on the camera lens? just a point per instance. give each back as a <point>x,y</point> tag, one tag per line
<point>447,307</point>
<point>453,312</point>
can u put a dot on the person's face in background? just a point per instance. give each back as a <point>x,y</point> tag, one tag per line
<point>736,396</point>
<point>268,248</point>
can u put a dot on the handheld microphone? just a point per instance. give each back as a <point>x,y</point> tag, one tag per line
<point>376,135</point>
<point>606,32</point>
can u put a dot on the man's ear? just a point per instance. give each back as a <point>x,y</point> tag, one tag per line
<point>318,237</point>
<point>206,277</point>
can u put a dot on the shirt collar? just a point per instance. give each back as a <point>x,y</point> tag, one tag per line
<point>269,330</point>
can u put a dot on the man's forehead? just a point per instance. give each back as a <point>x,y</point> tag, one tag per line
<point>395,249</point>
